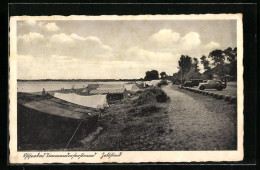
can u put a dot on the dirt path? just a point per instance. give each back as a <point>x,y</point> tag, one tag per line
<point>196,126</point>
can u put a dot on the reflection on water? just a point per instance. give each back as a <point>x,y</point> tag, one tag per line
<point>37,86</point>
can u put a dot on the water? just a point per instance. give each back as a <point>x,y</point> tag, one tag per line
<point>37,86</point>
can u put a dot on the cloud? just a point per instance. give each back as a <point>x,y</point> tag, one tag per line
<point>165,37</point>
<point>51,26</point>
<point>31,37</point>
<point>190,40</point>
<point>212,45</point>
<point>62,38</point>
<point>30,22</point>
<point>87,48</point>
<point>139,54</point>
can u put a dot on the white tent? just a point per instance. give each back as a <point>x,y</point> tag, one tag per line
<point>152,83</point>
<point>131,87</point>
<point>128,86</point>
<point>94,101</point>
<point>110,86</point>
<point>155,82</point>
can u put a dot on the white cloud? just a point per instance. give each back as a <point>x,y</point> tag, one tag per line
<point>212,45</point>
<point>31,37</point>
<point>62,38</point>
<point>190,40</point>
<point>51,26</point>
<point>139,54</point>
<point>88,48</point>
<point>165,37</point>
<point>30,22</point>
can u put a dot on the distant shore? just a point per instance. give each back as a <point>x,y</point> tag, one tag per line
<point>80,80</point>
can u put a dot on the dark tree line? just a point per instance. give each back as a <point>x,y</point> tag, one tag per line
<point>219,62</point>
<point>151,75</point>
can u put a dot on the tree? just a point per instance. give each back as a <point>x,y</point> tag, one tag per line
<point>163,74</point>
<point>196,65</point>
<point>218,57</point>
<point>192,74</point>
<point>205,63</point>
<point>232,58</point>
<point>151,75</point>
<point>185,63</point>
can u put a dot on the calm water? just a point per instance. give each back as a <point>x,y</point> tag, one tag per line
<point>37,86</point>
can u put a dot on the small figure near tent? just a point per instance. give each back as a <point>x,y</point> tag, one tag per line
<point>43,92</point>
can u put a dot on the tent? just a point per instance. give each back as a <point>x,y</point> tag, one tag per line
<point>90,87</point>
<point>85,91</point>
<point>131,87</point>
<point>108,91</point>
<point>112,93</point>
<point>128,86</point>
<point>110,86</point>
<point>94,101</point>
<point>155,82</point>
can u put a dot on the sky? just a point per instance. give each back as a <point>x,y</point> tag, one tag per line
<point>114,49</point>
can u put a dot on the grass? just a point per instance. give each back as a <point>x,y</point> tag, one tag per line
<point>133,124</point>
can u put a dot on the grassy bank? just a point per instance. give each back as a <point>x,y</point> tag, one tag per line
<point>136,123</point>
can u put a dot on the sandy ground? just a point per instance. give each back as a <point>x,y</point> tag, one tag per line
<point>200,122</point>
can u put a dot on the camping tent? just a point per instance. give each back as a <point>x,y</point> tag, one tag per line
<point>85,91</point>
<point>151,83</point>
<point>110,86</point>
<point>90,87</point>
<point>155,82</point>
<point>131,87</point>
<point>112,93</point>
<point>94,101</point>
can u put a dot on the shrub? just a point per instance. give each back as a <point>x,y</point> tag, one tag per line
<point>162,98</point>
<point>151,95</point>
<point>148,110</point>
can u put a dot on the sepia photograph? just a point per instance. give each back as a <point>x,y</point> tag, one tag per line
<point>144,88</point>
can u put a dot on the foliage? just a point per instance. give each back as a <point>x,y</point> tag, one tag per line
<point>205,63</point>
<point>151,75</point>
<point>218,57</point>
<point>185,63</point>
<point>151,95</point>
<point>163,74</point>
<point>196,65</point>
<point>192,74</point>
<point>224,62</point>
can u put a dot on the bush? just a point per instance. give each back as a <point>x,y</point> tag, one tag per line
<point>162,98</point>
<point>148,110</point>
<point>151,95</point>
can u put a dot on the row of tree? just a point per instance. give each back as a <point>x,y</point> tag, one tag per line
<point>218,62</point>
<point>154,75</point>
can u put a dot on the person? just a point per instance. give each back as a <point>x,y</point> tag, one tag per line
<point>43,91</point>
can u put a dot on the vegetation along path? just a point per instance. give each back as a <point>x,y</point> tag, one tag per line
<point>199,122</point>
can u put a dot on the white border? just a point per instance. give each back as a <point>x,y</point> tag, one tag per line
<point>128,156</point>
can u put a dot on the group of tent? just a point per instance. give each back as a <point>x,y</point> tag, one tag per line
<point>98,94</point>
<point>151,83</point>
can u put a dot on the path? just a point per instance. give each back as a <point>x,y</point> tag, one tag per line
<point>195,126</point>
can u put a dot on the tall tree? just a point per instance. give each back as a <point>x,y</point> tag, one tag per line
<point>232,58</point>
<point>218,57</point>
<point>196,65</point>
<point>151,75</point>
<point>205,63</point>
<point>163,74</point>
<point>185,63</point>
